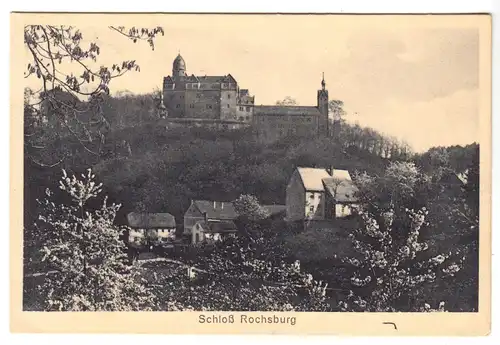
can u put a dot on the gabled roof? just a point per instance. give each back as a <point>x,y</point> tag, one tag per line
<point>216,209</point>
<point>341,190</point>
<point>150,220</point>
<point>218,227</point>
<point>341,174</point>
<point>294,110</point>
<point>202,79</point>
<point>274,209</point>
<point>312,178</point>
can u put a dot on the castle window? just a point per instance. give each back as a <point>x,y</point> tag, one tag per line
<point>241,108</point>
<point>241,118</point>
<point>311,208</point>
<point>248,108</point>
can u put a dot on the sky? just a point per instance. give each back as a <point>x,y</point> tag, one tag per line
<point>414,79</point>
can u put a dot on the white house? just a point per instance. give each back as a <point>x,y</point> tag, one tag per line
<point>158,226</point>
<point>318,194</point>
<point>212,231</point>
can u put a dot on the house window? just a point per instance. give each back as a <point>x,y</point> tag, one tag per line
<point>228,105</point>
<point>191,105</point>
<point>177,105</point>
<point>241,118</point>
<point>311,208</point>
<point>248,108</point>
<point>228,96</point>
<point>312,196</point>
<point>241,108</point>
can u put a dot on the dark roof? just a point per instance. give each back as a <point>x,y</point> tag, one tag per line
<point>202,79</point>
<point>340,190</point>
<point>150,220</point>
<point>274,209</point>
<point>285,110</point>
<point>179,63</point>
<point>216,209</point>
<point>218,227</point>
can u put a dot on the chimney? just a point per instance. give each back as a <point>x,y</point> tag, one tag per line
<point>205,217</point>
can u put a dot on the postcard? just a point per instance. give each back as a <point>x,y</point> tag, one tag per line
<point>251,173</point>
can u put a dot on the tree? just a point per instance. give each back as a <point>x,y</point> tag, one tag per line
<point>239,274</point>
<point>391,270</point>
<point>287,101</point>
<point>336,108</point>
<point>248,207</point>
<point>86,250</point>
<point>61,93</point>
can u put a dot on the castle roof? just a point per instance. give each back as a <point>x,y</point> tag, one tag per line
<point>179,63</point>
<point>294,110</point>
<point>202,79</point>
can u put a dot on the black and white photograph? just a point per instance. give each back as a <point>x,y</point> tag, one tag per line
<point>253,163</point>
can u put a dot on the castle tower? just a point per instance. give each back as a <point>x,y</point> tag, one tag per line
<point>323,108</point>
<point>179,67</point>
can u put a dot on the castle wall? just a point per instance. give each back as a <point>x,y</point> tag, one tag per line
<point>204,103</point>
<point>271,127</point>
<point>228,100</point>
<point>174,101</point>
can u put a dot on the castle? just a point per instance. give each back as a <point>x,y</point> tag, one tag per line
<point>219,101</point>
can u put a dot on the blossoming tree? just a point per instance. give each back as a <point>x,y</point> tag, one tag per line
<point>394,264</point>
<point>85,250</point>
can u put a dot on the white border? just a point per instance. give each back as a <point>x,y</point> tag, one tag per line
<point>339,6</point>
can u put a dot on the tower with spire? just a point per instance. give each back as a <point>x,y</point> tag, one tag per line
<point>179,67</point>
<point>323,108</point>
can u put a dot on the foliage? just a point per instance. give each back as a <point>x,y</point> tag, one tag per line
<point>241,273</point>
<point>53,50</point>
<point>413,224</point>
<point>287,101</point>
<point>248,207</point>
<point>336,108</point>
<point>392,267</point>
<point>85,248</point>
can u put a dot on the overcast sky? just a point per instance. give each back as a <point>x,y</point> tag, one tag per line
<point>412,80</point>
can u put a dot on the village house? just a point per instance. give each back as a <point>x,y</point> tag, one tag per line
<point>159,227</point>
<point>206,219</point>
<point>319,194</point>
<point>212,231</point>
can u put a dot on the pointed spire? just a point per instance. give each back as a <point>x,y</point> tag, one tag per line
<point>323,84</point>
